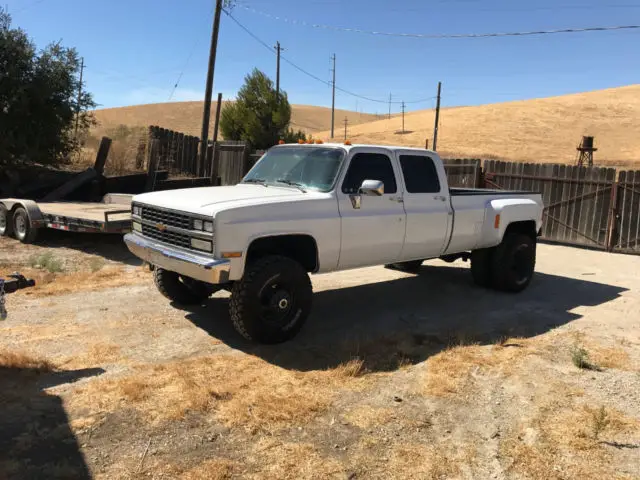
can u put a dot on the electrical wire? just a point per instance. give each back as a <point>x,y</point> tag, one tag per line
<point>311,75</point>
<point>441,35</point>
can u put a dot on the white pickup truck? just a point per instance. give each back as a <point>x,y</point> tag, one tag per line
<point>321,208</point>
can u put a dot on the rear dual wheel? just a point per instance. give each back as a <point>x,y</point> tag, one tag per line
<point>508,267</point>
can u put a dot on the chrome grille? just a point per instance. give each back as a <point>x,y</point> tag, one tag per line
<point>173,219</point>
<point>165,236</point>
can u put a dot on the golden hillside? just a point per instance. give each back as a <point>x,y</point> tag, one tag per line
<point>539,130</point>
<point>186,117</point>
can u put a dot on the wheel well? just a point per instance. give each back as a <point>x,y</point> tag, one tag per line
<point>301,248</point>
<point>525,227</point>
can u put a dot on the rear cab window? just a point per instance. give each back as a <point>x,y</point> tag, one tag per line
<point>420,174</point>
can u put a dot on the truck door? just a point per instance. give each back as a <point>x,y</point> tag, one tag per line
<point>373,227</point>
<point>427,205</point>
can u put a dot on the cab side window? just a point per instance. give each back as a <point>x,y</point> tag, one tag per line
<point>369,166</point>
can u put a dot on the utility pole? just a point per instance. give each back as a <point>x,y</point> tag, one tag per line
<point>403,116</point>
<point>435,128</point>
<point>217,124</point>
<point>79,98</point>
<point>206,116</point>
<point>278,49</point>
<point>346,122</point>
<point>389,107</point>
<point>333,95</point>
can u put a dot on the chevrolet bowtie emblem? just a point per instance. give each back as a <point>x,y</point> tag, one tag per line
<point>161,226</point>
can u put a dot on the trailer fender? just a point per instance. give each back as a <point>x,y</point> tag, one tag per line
<point>36,219</point>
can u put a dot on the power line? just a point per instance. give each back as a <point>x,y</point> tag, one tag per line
<point>441,35</point>
<point>309,74</point>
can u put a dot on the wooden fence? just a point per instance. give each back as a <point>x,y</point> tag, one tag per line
<point>225,162</point>
<point>593,207</point>
<point>463,172</point>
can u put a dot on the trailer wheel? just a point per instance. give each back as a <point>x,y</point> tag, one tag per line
<point>5,221</point>
<point>514,262</point>
<point>481,263</point>
<point>179,289</point>
<point>412,266</point>
<point>272,300</point>
<point>22,227</point>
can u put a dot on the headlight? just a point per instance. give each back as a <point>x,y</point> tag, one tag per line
<point>137,226</point>
<point>137,210</point>
<point>201,244</point>
<point>197,224</point>
<point>208,227</point>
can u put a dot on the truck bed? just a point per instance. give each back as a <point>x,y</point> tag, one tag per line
<point>487,191</point>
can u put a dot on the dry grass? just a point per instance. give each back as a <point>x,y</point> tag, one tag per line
<point>216,469</point>
<point>603,356</point>
<point>282,460</point>
<point>239,391</point>
<point>20,360</point>
<point>540,130</point>
<point>51,284</point>
<point>449,371</point>
<point>559,442</point>
<point>428,462</point>
<point>366,416</point>
<point>186,117</point>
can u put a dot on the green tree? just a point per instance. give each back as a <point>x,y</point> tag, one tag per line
<point>39,98</point>
<point>258,115</point>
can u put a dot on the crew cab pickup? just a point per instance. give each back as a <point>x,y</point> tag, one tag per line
<point>321,208</point>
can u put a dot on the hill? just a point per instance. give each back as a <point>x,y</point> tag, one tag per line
<point>539,130</point>
<point>186,117</point>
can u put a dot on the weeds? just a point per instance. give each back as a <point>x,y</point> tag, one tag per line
<point>96,264</point>
<point>580,358</point>
<point>46,261</point>
<point>599,422</point>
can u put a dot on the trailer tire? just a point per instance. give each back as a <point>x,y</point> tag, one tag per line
<point>5,221</point>
<point>412,266</point>
<point>481,264</point>
<point>179,289</point>
<point>514,262</point>
<point>272,301</point>
<point>23,230</point>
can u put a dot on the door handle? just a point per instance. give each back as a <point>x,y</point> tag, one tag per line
<point>397,199</point>
<point>442,198</point>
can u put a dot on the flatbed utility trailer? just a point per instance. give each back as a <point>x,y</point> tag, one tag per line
<point>22,218</point>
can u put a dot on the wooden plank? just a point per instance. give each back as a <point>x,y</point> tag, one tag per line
<point>561,211</point>
<point>548,198</point>
<point>636,210</point>
<point>154,161</point>
<point>102,155</point>
<point>68,187</point>
<point>84,210</point>
<point>586,207</point>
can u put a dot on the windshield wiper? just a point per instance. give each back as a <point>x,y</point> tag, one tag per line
<point>261,181</point>
<point>293,184</point>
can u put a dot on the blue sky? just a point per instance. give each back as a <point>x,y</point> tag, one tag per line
<point>135,49</point>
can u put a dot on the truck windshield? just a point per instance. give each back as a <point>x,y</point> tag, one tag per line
<point>313,168</point>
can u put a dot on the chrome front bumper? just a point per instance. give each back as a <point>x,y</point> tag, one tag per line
<point>189,264</point>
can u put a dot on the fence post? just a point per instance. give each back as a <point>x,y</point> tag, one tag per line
<point>613,217</point>
<point>215,166</point>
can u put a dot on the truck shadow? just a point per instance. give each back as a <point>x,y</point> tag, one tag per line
<point>410,318</point>
<point>37,440</point>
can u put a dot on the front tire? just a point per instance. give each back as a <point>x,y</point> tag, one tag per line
<point>272,300</point>
<point>22,228</point>
<point>513,262</point>
<point>179,289</point>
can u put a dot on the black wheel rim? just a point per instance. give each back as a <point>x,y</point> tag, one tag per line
<point>521,264</point>
<point>20,226</point>
<point>276,302</point>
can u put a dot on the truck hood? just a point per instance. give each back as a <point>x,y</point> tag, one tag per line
<point>209,200</point>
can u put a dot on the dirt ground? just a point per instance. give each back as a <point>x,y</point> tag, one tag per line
<point>395,376</point>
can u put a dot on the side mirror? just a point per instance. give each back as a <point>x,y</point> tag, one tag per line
<point>372,188</point>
